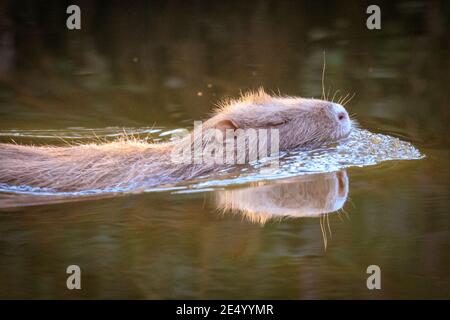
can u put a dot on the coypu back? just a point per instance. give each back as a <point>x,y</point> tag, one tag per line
<point>75,168</point>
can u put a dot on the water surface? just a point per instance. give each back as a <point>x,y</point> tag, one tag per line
<point>157,67</point>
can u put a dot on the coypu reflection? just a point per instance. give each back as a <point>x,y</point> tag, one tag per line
<point>305,196</point>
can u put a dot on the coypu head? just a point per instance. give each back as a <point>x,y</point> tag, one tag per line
<point>301,122</point>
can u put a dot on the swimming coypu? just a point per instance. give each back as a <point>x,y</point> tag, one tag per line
<point>129,163</point>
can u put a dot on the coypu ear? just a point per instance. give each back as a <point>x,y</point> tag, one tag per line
<point>225,124</point>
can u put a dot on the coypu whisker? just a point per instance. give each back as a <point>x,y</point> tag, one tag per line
<point>355,123</point>
<point>334,95</point>
<point>343,98</point>
<point>323,76</point>
<point>328,223</point>
<point>351,202</point>
<point>346,214</point>
<point>348,100</point>
<point>339,214</point>
<point>324,232</point>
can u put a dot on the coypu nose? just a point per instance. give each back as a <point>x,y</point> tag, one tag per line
<point>340,112</point>
<point>341,115</point>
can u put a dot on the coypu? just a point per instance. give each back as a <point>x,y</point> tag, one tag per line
<point>128,163</point>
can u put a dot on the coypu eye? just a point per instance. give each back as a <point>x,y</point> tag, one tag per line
<point>277,123</point>
<point>341,116</point>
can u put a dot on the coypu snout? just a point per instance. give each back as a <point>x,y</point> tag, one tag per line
<point>318,122</point>
<point>343,119</point>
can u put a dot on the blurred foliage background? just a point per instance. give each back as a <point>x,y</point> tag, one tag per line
<point>167,62</point>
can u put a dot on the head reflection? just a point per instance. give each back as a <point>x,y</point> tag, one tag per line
<point>306,196</point>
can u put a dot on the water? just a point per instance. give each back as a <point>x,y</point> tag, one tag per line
<point>308,230</point>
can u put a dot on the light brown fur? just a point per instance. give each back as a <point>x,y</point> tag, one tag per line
<point>129,163</point>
